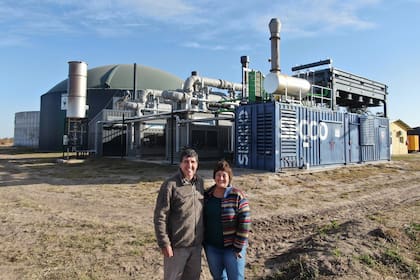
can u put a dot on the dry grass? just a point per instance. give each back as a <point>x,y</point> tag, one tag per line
<point>6,142</point>
<point>92,219</point>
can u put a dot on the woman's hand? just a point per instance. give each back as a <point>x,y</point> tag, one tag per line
<point>238,255</point>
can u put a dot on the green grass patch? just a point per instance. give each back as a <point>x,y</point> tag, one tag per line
<point>392,256</point>
<point>412,231</point>
<point>366,259</point>
<point>337,253</point>
<point>333,225</point>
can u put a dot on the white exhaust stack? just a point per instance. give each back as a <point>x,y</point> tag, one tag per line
<point>276,82</point>
<point>77,89</point>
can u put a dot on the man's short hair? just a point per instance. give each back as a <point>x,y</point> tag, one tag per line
<point>188,153</point>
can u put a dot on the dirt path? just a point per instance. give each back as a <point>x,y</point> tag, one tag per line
<point>93,220</point>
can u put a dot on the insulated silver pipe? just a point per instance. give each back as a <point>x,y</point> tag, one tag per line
<point>217,83</point>
<point>173,95</point>
<point>221,84</point>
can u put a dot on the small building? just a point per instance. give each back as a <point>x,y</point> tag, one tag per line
<point>399,137</point>
<point>27,129</point>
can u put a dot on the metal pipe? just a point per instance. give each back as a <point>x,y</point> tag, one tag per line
<point>134,81</point>
<point>275,26</point>
<point>96,137</point>
<point>172,135</point>
<point>163,115</point>
<point>173,95</point>
<point>143,93</point>
<point>222,84</point>
<point>122,135</point>
<point>206,119</point>
<point>190,82</point>
<point>245,65</point>
<point>194,79</point>
<point>310,65</point>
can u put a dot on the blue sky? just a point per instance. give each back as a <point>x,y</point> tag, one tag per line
<point>376,39</point>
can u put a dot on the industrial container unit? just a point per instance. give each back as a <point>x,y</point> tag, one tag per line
<point>314,118</point>
<point>274,136</point>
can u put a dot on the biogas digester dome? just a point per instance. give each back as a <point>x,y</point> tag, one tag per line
<point>103,83</point>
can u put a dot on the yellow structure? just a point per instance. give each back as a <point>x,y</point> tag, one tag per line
<point>399,137</point>
<point>413,143</point>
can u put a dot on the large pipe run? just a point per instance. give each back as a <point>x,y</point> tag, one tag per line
<point>77,90</point>
<point>194,79</point>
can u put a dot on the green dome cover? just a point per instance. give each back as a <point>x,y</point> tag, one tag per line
<point>120,76</point>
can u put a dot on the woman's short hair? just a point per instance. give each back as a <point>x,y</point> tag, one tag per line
<point>223,165</point>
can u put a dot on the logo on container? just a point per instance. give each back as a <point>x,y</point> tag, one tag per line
<point>307,130</point>
<point>243,137</point>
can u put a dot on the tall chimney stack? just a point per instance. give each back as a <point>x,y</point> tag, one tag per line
<point>275,26</point>
<point>77,89</point>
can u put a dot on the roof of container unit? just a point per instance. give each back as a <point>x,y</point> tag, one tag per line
<point>120,76</point>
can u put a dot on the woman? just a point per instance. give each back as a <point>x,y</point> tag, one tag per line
<point>227,224</point>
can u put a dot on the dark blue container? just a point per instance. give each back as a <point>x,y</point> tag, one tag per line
<point>274,136</point>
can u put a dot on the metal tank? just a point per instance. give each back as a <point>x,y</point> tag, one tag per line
<point>77,90</point>
<point>277,83</point>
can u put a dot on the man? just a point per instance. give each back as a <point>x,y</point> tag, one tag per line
<point>178,220</point>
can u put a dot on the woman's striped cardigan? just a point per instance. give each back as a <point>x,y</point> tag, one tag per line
<point>236,218</point>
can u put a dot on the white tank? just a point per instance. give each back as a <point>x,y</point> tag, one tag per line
<point>77,89</point>
<point>277,83</point>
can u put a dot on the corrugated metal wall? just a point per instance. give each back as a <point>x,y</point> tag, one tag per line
<point>26,132</point>
<point>274,136</point>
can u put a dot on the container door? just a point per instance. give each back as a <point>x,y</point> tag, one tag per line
<point>354,143</point>
<point>332,147</point>
<point>383,143</point>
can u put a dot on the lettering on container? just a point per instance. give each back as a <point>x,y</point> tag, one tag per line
<point>243,137</point>
<point>307,130</point>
